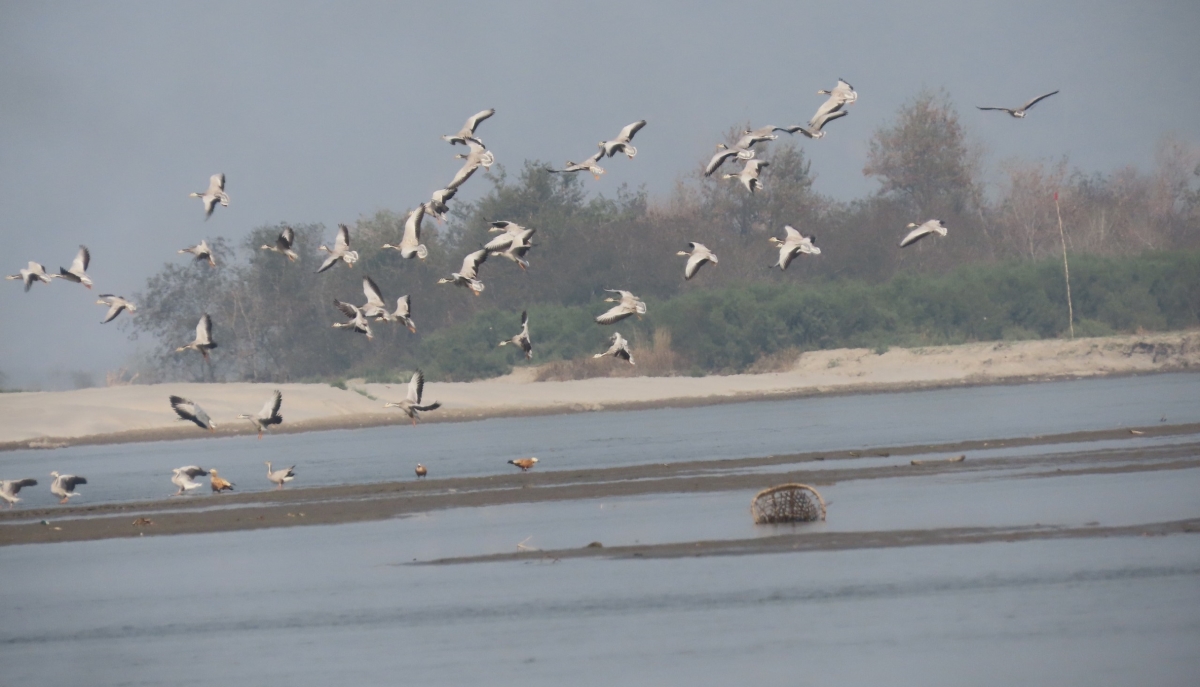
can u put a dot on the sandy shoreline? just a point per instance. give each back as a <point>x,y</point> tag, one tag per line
<point>122,414</point>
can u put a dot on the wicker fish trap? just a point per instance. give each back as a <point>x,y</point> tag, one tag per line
<point>787,503</point>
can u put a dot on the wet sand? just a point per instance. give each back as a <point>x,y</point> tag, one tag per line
<point>367,502</point>
<point>124,414</point>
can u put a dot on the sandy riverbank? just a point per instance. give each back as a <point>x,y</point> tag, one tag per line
<point>141,412</point>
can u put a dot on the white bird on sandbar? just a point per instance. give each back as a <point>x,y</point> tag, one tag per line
<point>34,272</point>
<point>341,250</point>
<point>214,193</point>
<point>63,486</point>
<point>9,488</point>
<point>278,477</point>
<point>933,226</point>
<point>411,404</point>
<point>77,273</point>
<point>699,255</point>
<point>185,478</point>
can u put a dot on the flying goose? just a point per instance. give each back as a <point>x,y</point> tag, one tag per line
<point>618,349</point>
<point>410,242</point>
<point>402,313</point>
<point>185,478</point>
<point>749,174</point>
<point>280,476</point>
<point>77,272</point>
<point>374,307</point>
<point>699,255</point>
<point>792,244</point>
<point>411,405</point>
<point>843,94</point>
<point>64,485</point>
<point>477,156</point>
<point>10,487</point>
<point>523,463</point>
<point>202,252</point>
<point>217,483</point>
<point>588,165</point>
<point>192,412</point>
<point>933,226</point>
<point>436,207</point>
<point>341,250</point>
<point>620,144</point>
<point>818,122</point>
<point>421,471</point>
<point>628,304</point>
<point>517,249</point>
<point>508,231</point>
<point>521,340</point>
<point>467,133</point>
<point>115,305</point>
<point>203,342</point>
<point>283,244</point>
<point>468,275</point>
<point>1019,113</point>
<point>215,192</point>
<point>269,415</point>
<point>33,272</point>
<point>743,148</point>
<point>358,322</point>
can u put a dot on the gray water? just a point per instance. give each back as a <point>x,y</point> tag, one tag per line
<point>142,471</point>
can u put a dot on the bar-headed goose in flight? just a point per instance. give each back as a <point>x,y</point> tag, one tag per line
<point>588,165</point>
<point>185,478</point>
<point>115,305</point>
<point>341,250</point>
<point>283,244</point>
<point>63,486</point>
<point>933,226</point>
<point>402,313</point>
<point>618,349</point>
<point>215,192</point>
<point>269,415</point>
<point>817,123</point>
<point>437,206</point>
<point>620,144</point>
<point>628,304</point>
<point>1019,113</point>
<point>508,231</point>
<point>749,174</point>
<point>468,274</point>
<point>743,148</point>
<point>467,133</point>
<point>699,255</point>
<point>843,94</point>
<point>792,244</point>
<point>410,243</point>
<point>477,156</point>
<point>411,405</point>
<point>278,477</point>
<point>201,251</point>
<point>192,412</point>
<point>10,487</point>
<point>203,341</point>
<point>218,483</point>
<point>521,340</point>
<point>524,463</point>
<point>377,308</point>
<point>358,322</point>
<point>34,272</point>
<point>517,249</point>
<point>78,273</point>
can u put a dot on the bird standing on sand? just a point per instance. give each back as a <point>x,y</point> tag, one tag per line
<point>699,255</point>
<point>185,478</point>
<point>215,192</point>
<point>618,349</point>
<point>1019,113</point>
<point>278,477</point>
<point>63,486</point>
<point>411,405</point>
<point>192,412</point>
<point>933,226</point>
<point>341,250</point>
<point>524,463</point>
<point>34,272</point>
<point>521,340</point>
<point>10,487</point>
<point>421,471</point>
<point>621,144</point>
<point>467,133</point>
<point>77,273</point>
<point>217,483</point>
<point>792,244</point>
<point>269,415</point>
<point>283,244</point>
<point>202,251</point>
<point>203,341</point>
<point>628,304</point>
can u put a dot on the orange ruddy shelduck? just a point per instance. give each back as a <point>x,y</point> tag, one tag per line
<point>523,463</point>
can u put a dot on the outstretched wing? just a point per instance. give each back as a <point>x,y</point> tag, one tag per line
<point>416,387</point>
<point>286,238</point>
<point>82,259</point>
<point>629,131</point>
<point>271,408</point>
<point>347,309</point>
<point>372,292</point>
<point>1037,100</point>
<point>343,238</point>
<point>204,329</point>
<point>474,120</point>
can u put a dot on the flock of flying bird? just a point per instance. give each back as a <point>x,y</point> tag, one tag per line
<point>513,243</point>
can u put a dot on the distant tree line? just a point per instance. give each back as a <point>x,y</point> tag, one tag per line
<point>1132,238</point>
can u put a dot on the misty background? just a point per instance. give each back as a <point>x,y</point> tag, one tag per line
<point>321,113</point>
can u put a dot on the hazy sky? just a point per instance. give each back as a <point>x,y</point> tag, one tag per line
<point>327,111</point>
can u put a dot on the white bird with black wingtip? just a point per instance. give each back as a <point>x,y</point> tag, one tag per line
<point>63,486</point>
<point>201,251</point>
<point>621,144</point>
<point>214,193</point>
<point>619,349</point>
<point>467,133</point>
<point>1019,112</point>
<point>628,304</point>
<point>468,274</point>
<point>269,415</point>
<point>933,226</point>
<point>283,244</point>
<point>411,404</point>
<point>410,243</point>
<point>203,341</point>
<point>9,488</point>
<point>78,271</point>
<point>33,272</point>
<point>792,244</point>
<point>192,412</point>
<point>521,340</point>
<point>341,250</point>
<point>358,321</point>
<point>185,478</point>
<point>697,255</point>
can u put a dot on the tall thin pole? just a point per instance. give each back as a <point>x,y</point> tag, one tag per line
<point>1066,270</point>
